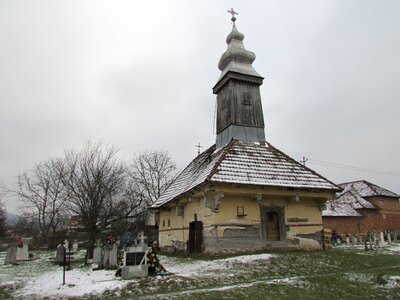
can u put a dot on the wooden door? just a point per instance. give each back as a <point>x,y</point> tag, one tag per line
<point>195,244</point>
<point>273,226</point>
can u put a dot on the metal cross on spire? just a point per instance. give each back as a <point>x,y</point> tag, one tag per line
<point>233,13</point>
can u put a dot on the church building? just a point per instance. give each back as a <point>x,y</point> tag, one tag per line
<point>242,193</point>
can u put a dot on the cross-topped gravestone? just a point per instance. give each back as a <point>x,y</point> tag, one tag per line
<point>233,13</point>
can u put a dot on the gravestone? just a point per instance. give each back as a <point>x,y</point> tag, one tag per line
<point>382,239</point>
<point>110,256</point>
<point>389,239</point>
<point>135,262</point>
<point>353,239</point>
<point>374,238</point>
<point>22,253</point>
<point>11,255</point>
<point>16,253</point>
<point>60,254</point>
<point>360,239</point>
<point>347,239</point>
<point>66,245</point>
<point>395,236</point>
<point>97,255</point>
<point>75,246</point>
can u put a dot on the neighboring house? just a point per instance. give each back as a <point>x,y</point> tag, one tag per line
<point>360,207</point>
<point>242,193</point>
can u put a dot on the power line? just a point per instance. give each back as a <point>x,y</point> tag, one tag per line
<point>352,168</point>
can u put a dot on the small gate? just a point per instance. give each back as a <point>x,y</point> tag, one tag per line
<point>195,244</point>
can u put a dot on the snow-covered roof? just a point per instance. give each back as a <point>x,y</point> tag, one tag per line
<point>364,188</point>
<point>339,209</point>
<point>239,162</point>
<point>354,196</point>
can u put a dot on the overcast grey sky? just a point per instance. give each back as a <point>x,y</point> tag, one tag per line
<point>139,74</point>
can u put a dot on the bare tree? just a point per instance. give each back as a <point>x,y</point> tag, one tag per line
<point>152,172</point>
<point>3,225</point>
<point>25,225</point>
<point>98,188</point>
<point>42,192</point>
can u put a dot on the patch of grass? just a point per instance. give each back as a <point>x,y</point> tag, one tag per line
<point>5,293</point>
<point>336,274</point>
<point>380,279</point>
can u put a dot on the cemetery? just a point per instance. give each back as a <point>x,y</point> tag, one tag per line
<point>125,267</point>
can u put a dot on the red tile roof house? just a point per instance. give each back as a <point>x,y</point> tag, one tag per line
<point>360,207</point>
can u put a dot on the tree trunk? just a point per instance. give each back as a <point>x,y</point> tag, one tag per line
<point>90,248</point>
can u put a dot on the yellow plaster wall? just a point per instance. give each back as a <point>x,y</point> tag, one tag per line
<point>227,216</point>
<point>179,225</point>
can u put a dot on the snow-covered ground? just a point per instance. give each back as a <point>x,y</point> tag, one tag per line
<point>79,282</point>
<point>211,267</point>
<point>42,279</point>
<point>393,249</point>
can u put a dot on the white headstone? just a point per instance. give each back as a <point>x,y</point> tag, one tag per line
<point>347,240</point>
<point>22,253</point>
<point>59,254</point>
<point>97,255</point>
<point>66,245</point>
<point>389,238</point>
<point>110,256</point>
<point>382,239</point>
<point>11,255</point>
<point>75,247</point>
<point>353,239</point>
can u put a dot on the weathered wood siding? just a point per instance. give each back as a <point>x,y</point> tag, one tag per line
<point>239,103</point>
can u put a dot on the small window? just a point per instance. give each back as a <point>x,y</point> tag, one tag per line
<point>195,217</point>
<point>169,223</point>
<point>240,211</point>
<point>163,223</point>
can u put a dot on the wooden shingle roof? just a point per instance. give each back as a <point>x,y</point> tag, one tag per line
<point>257,164</point>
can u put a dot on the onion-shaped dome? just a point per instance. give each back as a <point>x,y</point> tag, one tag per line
<point>237,58</point>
